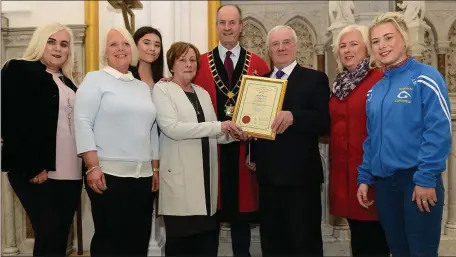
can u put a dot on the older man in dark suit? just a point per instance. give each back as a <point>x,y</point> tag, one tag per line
<point>289,168</point>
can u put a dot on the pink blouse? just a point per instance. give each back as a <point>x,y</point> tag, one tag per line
<point>68,164</point>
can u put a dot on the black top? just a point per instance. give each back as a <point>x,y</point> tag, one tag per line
<point>134,72</point>
<point>29,109</point>
<point>229,153</point>
<point>177,226</point>
<point>293,158</point>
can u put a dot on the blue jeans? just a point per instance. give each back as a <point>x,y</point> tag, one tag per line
<point>409,232</point>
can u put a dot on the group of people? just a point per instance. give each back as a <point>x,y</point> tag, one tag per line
<point>134,137</point>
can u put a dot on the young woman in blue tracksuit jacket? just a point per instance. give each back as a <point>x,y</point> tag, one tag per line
<point>408,142</point>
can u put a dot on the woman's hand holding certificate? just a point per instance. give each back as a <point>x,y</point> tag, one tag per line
<point>234,130</point>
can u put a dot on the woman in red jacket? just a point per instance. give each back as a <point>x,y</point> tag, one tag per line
<point>348,131</point>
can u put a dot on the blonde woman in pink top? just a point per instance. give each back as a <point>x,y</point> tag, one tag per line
<point>39,149</point>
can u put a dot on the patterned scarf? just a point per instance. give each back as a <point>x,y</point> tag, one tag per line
<point>346,81</point>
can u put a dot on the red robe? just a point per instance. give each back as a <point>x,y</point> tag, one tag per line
<point>348,132</point>
<point>246,200</point>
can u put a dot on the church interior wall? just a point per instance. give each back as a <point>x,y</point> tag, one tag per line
<point>187,21</point>
<point>33,13</point>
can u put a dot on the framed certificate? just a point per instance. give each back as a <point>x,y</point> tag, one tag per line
<point>258,102</point>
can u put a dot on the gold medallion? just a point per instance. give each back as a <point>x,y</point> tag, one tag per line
<point>229,110</point>
<point>229,92</point>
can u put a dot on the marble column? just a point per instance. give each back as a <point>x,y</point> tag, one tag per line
<point>157,237</point>
<point>341,229</point>
<point>9,228</point>
<point>450,226</point>
<point>320,49</point>
<point>442,50</point>
<point>335,29</point>
<point>416,38</point>
<point>449,178</point>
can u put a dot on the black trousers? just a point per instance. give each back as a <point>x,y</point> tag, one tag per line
<point>368,239</point>
<point>240,236</point>
<point>290,221</point>
<point>122,217</point>
<point>204,244</point>
<point>51,207</point>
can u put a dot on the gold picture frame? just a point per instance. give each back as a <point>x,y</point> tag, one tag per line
<point>258,102</point>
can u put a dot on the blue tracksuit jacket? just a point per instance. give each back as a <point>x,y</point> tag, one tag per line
<point>408,125</point>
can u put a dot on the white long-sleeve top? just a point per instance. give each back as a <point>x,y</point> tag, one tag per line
<point>115,116</point>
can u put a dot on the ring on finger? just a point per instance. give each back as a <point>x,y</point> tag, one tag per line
<point>424,201</point>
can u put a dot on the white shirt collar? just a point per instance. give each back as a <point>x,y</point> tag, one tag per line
<point>236,51</point>
<point>119,75</point>
<point>287,70</point>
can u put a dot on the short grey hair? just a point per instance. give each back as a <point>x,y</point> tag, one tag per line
<point>128,37</point>
<point>279,27</point>
<point>364,30</point>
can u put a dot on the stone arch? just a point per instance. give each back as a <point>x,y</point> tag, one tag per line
<point>305,32</point>
<point>451,59</point>
<point>429,53</point>
<point>253,37</point>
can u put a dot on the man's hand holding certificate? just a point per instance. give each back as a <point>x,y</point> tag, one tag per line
<point>282,121</point>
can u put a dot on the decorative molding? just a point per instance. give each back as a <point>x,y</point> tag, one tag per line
<point>306,52</point>
<point>441,19</point>
<point>274,16</point>
<point>320,49</point>
<point>17,37</point>
<point>253,37</point>
<point>270,15</point>
<point>451,61</point>
<point>5,22</point>
<point>443,47</point>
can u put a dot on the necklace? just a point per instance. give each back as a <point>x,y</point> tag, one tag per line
<point>69,107</point>
<point>69,111</point>
<point>195,105</point>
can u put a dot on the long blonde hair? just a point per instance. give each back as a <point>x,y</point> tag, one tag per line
<point>397,19</point>
<point>35,48</point>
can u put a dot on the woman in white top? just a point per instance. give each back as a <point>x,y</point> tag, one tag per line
<point>39,151</point>
<point>117,136</point>
<point>188,157</point>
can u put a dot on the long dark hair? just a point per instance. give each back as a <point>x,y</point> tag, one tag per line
<point>157,65</point>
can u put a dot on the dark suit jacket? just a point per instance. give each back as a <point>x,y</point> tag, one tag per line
<point>29,109</point>
<point>293,158</point>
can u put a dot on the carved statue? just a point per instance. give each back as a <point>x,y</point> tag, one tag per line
<point>413,10</point>
<point>341,12</point>
<point>126,6</point>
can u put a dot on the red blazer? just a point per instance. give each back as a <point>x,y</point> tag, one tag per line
<point>348,132</point>
<point>248,195</point>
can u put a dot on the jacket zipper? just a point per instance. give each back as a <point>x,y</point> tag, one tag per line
<point>381,125</point>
